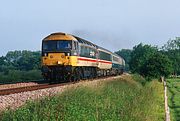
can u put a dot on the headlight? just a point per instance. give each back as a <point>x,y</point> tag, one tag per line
<point>59,62</point>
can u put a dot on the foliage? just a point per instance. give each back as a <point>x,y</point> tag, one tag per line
<point>23,60</point>
<point>126,54</point>
<point>20,66</point>
<point>157,65</point>
<point>120,99</point>
<point>172,44</point>
<point>174,98</point>
<point>14,76</point>
<point>172,50</point>
<point>139,56</point>
<point>149,62</point>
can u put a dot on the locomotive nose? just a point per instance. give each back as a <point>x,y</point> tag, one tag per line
<point>55,59</point>
<point>51,56</point>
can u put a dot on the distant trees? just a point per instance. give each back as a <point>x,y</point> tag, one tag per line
<point>149,62</point>
<point>172,50</point>
<point>20,66</point>
<point>20,60</point>
<point>172,44</point>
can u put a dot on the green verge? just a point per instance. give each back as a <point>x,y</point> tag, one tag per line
<point>174,98</point>
<point>120,99</point>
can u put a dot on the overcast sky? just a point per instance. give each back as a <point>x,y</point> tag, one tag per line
<point>113,24</point>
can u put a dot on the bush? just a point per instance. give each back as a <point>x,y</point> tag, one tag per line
<point>14,76</point>
<point>149,62</point>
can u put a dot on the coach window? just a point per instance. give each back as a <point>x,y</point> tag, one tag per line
<point>92,53</point>
<point>115,59</point>
<point>105,56</point>
<point>86,51</point>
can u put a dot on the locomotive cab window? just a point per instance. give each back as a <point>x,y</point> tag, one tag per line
<point>64,45</point>
<point>57,45</point>
<point>75,45</point>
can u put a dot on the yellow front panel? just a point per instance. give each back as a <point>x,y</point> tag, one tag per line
<point>59,59</point>
<point>55,59</point>
<point>73,60</point>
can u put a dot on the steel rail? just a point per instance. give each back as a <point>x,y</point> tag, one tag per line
<point>42,86</point>
<point>29,88</point>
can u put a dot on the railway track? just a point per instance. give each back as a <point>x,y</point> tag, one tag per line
<point>30,88</point>
<point>39,86</point>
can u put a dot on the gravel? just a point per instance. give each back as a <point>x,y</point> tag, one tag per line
<point>14,101</point>
<point>8,86</point>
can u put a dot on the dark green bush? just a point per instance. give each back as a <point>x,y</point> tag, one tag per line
<point>14,76</point>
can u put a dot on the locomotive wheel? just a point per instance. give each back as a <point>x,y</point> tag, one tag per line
<point>68,78</point>
<point>76,75</point>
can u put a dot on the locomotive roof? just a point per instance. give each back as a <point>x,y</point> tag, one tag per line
<point>59,35</point>
<point>90,43</point>
<point>104,49</point>
<point>80,40</point>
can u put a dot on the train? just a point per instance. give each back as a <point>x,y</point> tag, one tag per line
<point>66,57</point>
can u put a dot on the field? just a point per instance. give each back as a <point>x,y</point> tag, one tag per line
<point>174,98</point>
<point>123,99</point>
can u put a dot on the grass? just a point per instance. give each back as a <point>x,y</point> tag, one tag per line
<point>174,98</point>
<point>120,99</point>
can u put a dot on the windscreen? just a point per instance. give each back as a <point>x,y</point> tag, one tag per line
<point>57,45</point>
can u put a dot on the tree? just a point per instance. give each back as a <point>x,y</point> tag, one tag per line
<point>172,50</point>
<point>2,63</point>
<point>149,62</point>
<point>139,57</point>
<point>29,60</point>
<point>126,54</point>
<point>2,60</point>
<point>20,60</point>
<point>172,44</point>
<point>157,65</point>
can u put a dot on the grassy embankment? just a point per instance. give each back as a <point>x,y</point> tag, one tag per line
<point>174,98</point>
<point>123,99</point>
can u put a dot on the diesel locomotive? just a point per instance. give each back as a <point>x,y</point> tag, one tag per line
<point>66,57</point>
